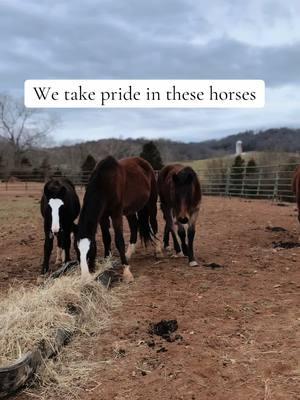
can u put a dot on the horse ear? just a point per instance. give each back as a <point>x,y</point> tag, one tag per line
<point>175,178</point>
<point>189,179</point>
<point>46,191</point>
<point>62,191</point>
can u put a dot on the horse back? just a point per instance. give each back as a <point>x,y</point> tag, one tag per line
<point>140,184</point>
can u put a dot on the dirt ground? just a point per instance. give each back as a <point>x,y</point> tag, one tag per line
<point>239,323</point>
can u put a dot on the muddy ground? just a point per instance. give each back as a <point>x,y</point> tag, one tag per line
<point>239,324</point>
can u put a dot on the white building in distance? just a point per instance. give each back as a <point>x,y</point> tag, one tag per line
<point>238,148</point>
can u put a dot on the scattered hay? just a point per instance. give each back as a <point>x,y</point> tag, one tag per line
<point>31,316</point>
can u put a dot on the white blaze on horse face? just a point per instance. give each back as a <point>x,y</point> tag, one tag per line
<point>55,204</point>
<point>84,246</point>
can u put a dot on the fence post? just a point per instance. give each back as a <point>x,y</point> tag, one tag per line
<point>275,189</point>
<point>259,183</point>
<point>243,181</point>
<point>227,181</point>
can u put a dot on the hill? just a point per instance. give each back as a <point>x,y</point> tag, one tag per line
<point>72,156</point>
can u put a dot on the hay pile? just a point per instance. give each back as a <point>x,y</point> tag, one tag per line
<point>31,315</point>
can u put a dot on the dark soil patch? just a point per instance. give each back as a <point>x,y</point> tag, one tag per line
<point>285,245</point>
<point>275,229</point>
<point>214,265</point>
<point>165,328</point>
<point>282,205</point>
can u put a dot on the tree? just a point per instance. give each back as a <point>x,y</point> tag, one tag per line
<point>25,163</point>
<point>87,167</point>
<point>151,153</point>
<point>45,168</point>
<point>1,167</point>
<point>21,127</point>
<point>57,173</point>
<point>236,175</point>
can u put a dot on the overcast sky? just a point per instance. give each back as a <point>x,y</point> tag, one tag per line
<point>170,39</point>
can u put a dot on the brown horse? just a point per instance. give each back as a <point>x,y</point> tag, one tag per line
<point>116,188</point>
<point>180,195</point>
<point>296,188</point>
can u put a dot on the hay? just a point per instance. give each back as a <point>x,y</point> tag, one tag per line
<point>29,316</point>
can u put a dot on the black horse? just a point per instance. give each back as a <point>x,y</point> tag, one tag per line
<point>60,207</point>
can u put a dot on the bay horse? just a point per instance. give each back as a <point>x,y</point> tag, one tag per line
<point>116,188</point>
<point>296,188</point>
<point>180,195</point>
<point>60,207</point>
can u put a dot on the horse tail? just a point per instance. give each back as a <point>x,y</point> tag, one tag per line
<point>145,230</point>
<point>147,217</point>
<point>153,205</point>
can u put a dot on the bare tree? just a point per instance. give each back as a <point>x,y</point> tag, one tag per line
<point>21,127</point>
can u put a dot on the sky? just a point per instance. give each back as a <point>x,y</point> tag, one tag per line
<point>157,39</point>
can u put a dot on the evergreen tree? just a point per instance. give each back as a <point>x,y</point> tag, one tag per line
<point>87,167</point>
<point>45,168</point>
<point>236,175</point>
<point>25,162</point>
<point>151,153</point>
<point>1,168</point>
<point>57,172</point>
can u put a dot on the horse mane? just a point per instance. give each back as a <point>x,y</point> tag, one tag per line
<point>184,174</point>
<point>102,167</point>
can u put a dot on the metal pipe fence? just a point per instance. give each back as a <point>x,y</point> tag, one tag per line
<point>258,182</point>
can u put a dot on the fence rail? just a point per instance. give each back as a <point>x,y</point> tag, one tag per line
<point>267,181</point>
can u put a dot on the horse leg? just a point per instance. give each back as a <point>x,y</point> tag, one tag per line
<point>154,226</point>
<point>117,222</point>
<point>166,239</point>
<point>48,246</point>
<point>75,245</point>
<point>59,248</point>
<point>133,225</point>
<point>92,255</point>
<point>182,235</point>
<point>104,224</point>
<point>170,227</point>
<point>66,248</point>
<point>191,235</point>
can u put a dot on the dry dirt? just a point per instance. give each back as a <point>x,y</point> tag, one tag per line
<point>239,324</point>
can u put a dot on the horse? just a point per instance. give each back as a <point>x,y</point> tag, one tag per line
<point>180,195</point>
<point>116,188</point>
<point>60,206</point>
<point>296,188</point>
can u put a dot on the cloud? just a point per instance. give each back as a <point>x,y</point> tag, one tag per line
<point>170,39</point>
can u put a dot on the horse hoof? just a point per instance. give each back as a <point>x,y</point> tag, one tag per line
<point>168,249</point>
<point>193,264</point>
<point>178,255</point>
<point>159,254</point>
<point>127,275</point>
<point>40,279</point>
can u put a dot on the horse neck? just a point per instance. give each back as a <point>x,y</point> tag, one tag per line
<point>91,212</point>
